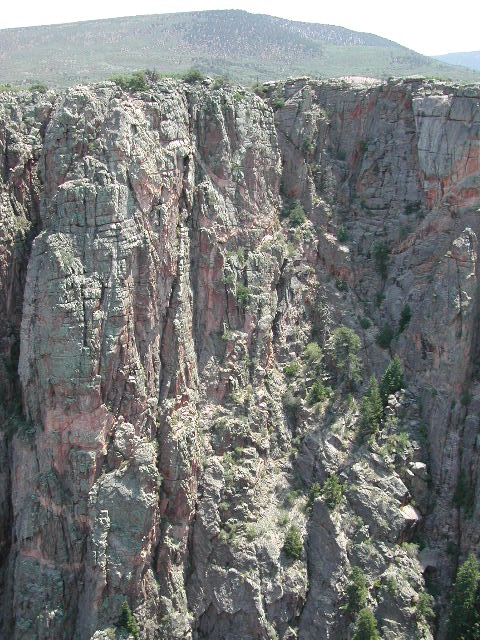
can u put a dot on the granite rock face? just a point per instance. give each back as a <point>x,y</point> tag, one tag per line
<point>154,285</point>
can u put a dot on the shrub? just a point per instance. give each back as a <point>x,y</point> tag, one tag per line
<point>291,497</point>
<point>464,495</point>
<point>366,626</point>
<point>392,380</point>
<point>308,147</point>
<point>333,492</point>
<point>342,234</point>
<point>425,608</point>
<point>278,103</point>
<point>293,545</point>
<point>223,536</point>
<point>379,298</point>
<point>128,622</point>
<point>465,610</point>
<point>364,323</point>
<point>391,585</point>
<point>6,87</point>
<point>404,318</point>
<point>401,442</point>
<point>291,402</point>
<point>152,75</point>
<point>363,146</point>
<point>258,89</point>
<point>138,81</point>
<point>318,393</point>
<point>380,253</point>
<point>410,548</point>
<point>38,87</point>
<point>121,81</point>
<point>297,216</point>
<point>313,354</point>
<point>192,76</point>
<point>135,82</point>
<point>385,336</point>
<point>314,493</point>
<point>371,409</point>
<point>251,532</point>
<point>291,370</point>
<point>343,346</point>
<point>412,207</point>
<point>221,81</point>
<point>452,548</point>
<point>341,284</point>
<point>357,592</point>
<point>227,335</point>
<point>243,294</point>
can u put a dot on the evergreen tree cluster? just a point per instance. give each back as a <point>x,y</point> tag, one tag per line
<point>128,622</point>
<point>293,545</point>
<point>366,626</point>
<point>464,620</point>
<point>343,347</point>
<point>371,409</point>
<point>356,591</point>
<point>392,380</point>
<point>375,400</point>
<point>333,491</point>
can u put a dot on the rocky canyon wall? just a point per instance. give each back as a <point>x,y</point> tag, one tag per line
<point>155,284</point>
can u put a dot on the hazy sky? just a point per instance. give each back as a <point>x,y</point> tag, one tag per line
<point>424,25</point>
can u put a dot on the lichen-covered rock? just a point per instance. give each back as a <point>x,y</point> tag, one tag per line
<point>173,265</point>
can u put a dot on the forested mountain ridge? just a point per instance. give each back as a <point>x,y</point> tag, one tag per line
<point>246,47</point>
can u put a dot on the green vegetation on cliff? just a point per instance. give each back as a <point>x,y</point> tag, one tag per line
<point>392,380</point>
<point>464,621</point>
<point>135,82</point>
<point>333,492</point>
<point>366,626</point>
<point>128,622</point>
<point>293,546</point>
<point>357,592</point>
<point>344,346</point>
<point>371,409</point>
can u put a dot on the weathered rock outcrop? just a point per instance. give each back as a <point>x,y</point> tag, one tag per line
<point>153,288</point>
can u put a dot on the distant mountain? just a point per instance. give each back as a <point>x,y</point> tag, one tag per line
<point>470,59</point>
<point>244,46</point>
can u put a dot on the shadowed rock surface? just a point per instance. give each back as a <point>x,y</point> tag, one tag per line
<point>154,285</point>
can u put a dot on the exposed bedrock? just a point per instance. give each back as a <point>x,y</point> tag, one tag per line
<point>157,276</point>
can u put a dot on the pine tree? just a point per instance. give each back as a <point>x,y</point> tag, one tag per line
<point>128,622</point>
<point>366,626</point>
<point>314,493</point>
<point>404,318</point>
<point>293,546</point>
<point>344,346</point>
<point>371,409</point>
<point>333,492</point>
<point>464,621</point>
<point>425,608</point>
<point>393,379</point>
<point>356,591</point>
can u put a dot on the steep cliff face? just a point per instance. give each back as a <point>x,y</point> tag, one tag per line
<point>153,289</point>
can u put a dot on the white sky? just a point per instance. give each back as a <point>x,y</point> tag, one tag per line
<point>424,25</point>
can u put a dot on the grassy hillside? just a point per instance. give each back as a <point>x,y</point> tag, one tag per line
<point>244,46</point>
<point>470,59</point>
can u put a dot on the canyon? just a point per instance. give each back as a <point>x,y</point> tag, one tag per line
<point>167,257</point>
